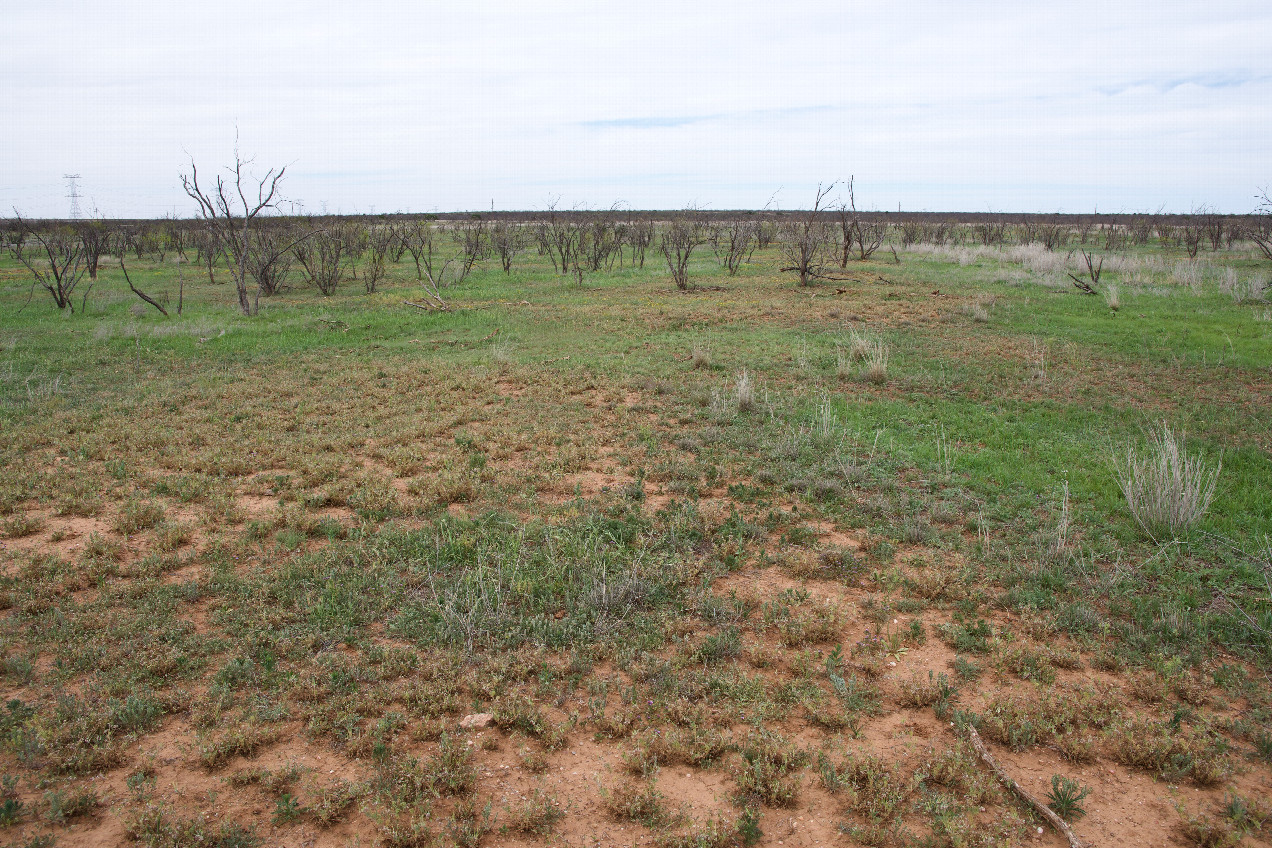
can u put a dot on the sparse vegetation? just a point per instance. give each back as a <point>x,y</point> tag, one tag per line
<point>731,531</point>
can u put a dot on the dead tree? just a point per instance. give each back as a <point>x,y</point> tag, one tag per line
<point>229,213</point>
<point>677,243</point>
<point>323,255</point>
<point>379,244</point>
<point>471,240</point>
<point>640,236</point>
<point>866,235</point>
<point>506,241</point>
<point>1093,271</point>
<point>421,243</point>
<point>269,262</point>
<point>804,239</point>
<point>55,257</point>
<point>95,239</point>
<point>733,243</point>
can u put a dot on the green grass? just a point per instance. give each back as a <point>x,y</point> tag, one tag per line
<point>350,522</point>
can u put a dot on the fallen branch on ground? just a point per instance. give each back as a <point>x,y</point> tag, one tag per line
<point>1008,781</point>
<point>1085,287</point>
<point>429,305</point>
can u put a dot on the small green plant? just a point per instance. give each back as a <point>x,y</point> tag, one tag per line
<point>21,525</point>
<point>63,806</point>
<point>137,516</point>
<point>768,773</point>
<point>1066,797</point>
<point>1247,815</point>
<point>287,809</point>
<point>720,647</point>
<point>10,811</point>
<point>966,669</point>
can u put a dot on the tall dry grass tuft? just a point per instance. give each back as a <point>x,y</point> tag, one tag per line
<point>744,393</point>
<point>876,364</point>
<point>843,362</point>
<point>700,355</point>
<point>1111,297</point>
<point>1167,491</point>
<point>859,345</point>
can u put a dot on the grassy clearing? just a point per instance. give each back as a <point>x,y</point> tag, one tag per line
<point>735,532</point>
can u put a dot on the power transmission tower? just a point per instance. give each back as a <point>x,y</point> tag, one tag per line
<point>72,191</point>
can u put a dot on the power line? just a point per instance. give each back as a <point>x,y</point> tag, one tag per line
<point>72,191</point>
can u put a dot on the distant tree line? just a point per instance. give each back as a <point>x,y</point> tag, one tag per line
<point>240,237</point>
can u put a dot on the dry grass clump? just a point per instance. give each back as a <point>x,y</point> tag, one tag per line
<point>137,516</point>
<point>874,788</point>
<point>769,769</point>
<point>537,815</point>
<point>700,355</point>
<point>638,801</point>
<point>978,310</point>
<point>1019,722</point>
<point>868,350</point>
<point>744,396</point>
<point>1111,297</point>
<point>875,369</point>
<point>1166,490</point>
<point>919,691</point>
<point>1173,752</point>
<point>20,526</point>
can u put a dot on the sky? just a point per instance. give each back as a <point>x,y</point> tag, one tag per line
<point>459,106</point>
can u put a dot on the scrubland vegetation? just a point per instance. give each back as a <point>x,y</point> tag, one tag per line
<point>733,524</point>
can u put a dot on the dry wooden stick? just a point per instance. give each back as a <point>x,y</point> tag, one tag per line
<point>1008,781</point>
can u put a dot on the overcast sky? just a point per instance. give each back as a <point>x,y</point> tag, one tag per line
<point>420,106</point>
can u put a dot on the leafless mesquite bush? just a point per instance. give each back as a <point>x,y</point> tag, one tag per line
<point>506,241</point>
<point>678,241</point>
<point>269,262</point>
<point>1260,230</point>
<point>859,234</point>
<point>1167,490</point>
<point>733,243</point>
<point>229,213</point>
<point>55,257</point>
<point>379,243</point>
<point>323,255</point>
<point>804,239</point>
<point>473,242</point>
<point>639,237</point>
